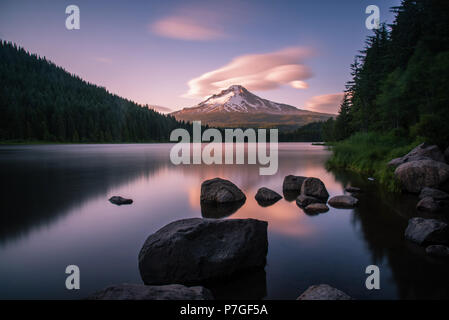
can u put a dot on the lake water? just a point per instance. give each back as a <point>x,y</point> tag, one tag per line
<point>55,212</point>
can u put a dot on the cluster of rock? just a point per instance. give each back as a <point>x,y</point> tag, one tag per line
<point>313,194</point>
<point>425,171</point>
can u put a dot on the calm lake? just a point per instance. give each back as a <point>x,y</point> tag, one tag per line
<point>55,212</point>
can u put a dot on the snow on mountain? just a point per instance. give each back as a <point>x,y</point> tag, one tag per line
<point>237,99</point>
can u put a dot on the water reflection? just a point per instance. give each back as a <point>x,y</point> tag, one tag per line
<point>57,213</point>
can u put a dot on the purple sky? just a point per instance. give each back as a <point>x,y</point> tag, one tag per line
<point>174,53</point>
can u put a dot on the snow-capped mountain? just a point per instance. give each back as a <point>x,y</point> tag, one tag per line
<point>237,99</point>
<point>237,107</point>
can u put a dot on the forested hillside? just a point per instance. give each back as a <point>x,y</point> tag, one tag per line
<point>399,92</point>
<point>400,81</point>
<point>42,102</point>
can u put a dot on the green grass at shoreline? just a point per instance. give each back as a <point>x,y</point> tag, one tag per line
<point>369,153</point>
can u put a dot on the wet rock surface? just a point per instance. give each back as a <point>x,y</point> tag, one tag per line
<point>323,292</point>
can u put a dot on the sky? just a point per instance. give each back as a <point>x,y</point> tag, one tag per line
<point>176,53</point>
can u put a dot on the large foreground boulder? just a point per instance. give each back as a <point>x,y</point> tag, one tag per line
<point>427,231</point>
<point>195,250</point>
<point>265,196</point>
<point>323,292</point>
<point>293,183</point>
<point>421,152</point>
<point>221,191</point>
<point>314,187</point>
<point>343,202</point>
<point>142,292</point>
<point>416,175</point>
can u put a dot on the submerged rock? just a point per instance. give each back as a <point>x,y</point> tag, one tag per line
<point>316,208</point>
<point>293,183</point>
<point>416,175</point>
<point>421,152</point>
<point>427,231</point>
<point>314,187</point>
<point>142,292</point>
<point>433,193</point>
<point>438,251</point>
<point>343,202</point>
<point>221,191</point>
<point>119,200</point>
<point>195,250</point>
<point>428,204</point>
<point>323,292</point>
<point>303,200</point>
<point>266,197</point>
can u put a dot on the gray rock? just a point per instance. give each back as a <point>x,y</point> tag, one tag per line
<point>353,190</point>
<point>194,250</point>
<point>438,251</point>
<point>314,187</point>
<point>416,175</point>
<point>119,200</point>
<point>427,231</point>
<point>266,196</point>
<point>221,191</point>
<point>343,201</point>
<point>323,292</point>
<point>316,208</point>
<point>293,183</point>
<point>421,152</point>
<point>428,204</point>
<point>142,292</point>
<point>433,193</point>
<point>303,200</point>
<point>446,154</point>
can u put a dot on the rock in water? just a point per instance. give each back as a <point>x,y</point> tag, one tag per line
<point>446,154</point>
<point>303,200</point>
<point>438,251</point>
<point>433,193</point>
<point>265,196</point>
<point>353,190</point>
<point>314,187</point>
<point>293,183</point>
<point>221,191</point>
<point>343,202</point>
<point>323,292</point>
<point>316,208</point>
<point>142,292</point>
<point>427,231</point>
<point>195,250</point>
<point>416,175</point>
<point>119,200</point>
<point>428,204</point>
<point>421,152</point>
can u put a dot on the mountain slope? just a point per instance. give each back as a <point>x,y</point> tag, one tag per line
<point>237,107</point>
<point>42,102</point>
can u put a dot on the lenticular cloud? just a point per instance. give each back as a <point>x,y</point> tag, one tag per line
<point>256,72</point>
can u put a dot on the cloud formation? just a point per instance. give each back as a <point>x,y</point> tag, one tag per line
<point>256,72</point>
<point>193,25</point>
<point>326,103</point>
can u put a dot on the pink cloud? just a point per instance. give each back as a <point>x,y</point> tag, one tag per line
<point>185,24</point>
<point>326,103</point>
<point>256,72</point>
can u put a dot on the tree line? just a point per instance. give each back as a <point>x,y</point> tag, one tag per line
<point>40,101</point>
<point>400,80</point>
